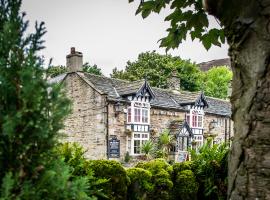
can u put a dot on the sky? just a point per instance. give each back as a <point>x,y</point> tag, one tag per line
<point>107,32</point>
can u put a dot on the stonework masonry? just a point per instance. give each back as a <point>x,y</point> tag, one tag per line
<point>86,124</point>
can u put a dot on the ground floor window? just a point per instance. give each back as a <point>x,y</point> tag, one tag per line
<point>198,141</point>
<point>138,140</point>
<point>183,143</point>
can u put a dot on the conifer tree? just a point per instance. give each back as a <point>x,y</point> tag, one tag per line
<point>31,114</point>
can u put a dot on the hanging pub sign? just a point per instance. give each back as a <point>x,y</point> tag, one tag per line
<point>114,148</point>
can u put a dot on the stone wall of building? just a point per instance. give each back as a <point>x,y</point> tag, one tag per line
<point>161,119</point>
<point>222,127</point>
<point>87,122</point>
<point>117,122</point>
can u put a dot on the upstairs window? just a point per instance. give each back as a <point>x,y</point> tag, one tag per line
<point>129,114</point>
<point>144,116</point>
<point>195,119</point>
<point>137,115</point>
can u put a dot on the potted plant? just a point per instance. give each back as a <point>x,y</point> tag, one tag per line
<point>128,132</point>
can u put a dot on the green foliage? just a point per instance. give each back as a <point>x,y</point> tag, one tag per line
<point>178,167</point>
<point>140,184</point>
<point>216,82</point>
<point>127,157</point>
<point>148,148</point>
<point>161,177</point>
<point>158,68</point>
<point>73,155</point>
<point>210,167</point>
<point>116,187</point>
<point>186,187</point>
<point>91,69</point>
<point>187,17</point>
<point>31,114</point>
<point>53,71</point>
<point>165,141</point>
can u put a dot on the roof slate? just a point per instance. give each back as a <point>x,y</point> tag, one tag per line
<point>164,98</point>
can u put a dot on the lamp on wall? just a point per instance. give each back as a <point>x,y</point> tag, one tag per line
<point>212,124</point>
<point>117,108</point>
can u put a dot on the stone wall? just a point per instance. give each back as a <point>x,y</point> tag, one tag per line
<point>160,119</point>
<point>220,127</point>
<point>117,122</point>
<point>87,122</point>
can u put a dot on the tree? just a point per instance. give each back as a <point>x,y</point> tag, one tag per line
<point>91,69</point>
<point>216,82</point>
<point>53,71</point>
<point>31,114</point>
<point>158,68</point>
<point>245,24</point>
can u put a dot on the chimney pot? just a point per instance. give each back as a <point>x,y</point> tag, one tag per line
<point>72,50</point>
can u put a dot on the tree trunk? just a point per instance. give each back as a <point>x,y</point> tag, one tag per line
<point>247,28</point>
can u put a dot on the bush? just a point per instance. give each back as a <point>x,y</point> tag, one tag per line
<point>179,167</point>
<point>116,186</point>
<point>73,156</point>
<point>185,187</point>
<point>140,184</point>
<point>210,168</point>
<point>161,178</point>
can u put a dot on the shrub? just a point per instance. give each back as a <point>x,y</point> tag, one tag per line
<point>161,177</point>
<point>179,167</point>
<point>185,187</point>
<point>116,186</point>
<point>210,168</point>
<point>140,183</point>
<point>73,155</point>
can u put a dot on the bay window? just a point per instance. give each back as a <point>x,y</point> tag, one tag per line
<point>195,119</point>
<point>138,113</point>
<point>129,115</point>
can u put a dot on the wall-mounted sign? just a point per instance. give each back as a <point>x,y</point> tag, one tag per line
<point>182,156</point>
<point>114,148</point>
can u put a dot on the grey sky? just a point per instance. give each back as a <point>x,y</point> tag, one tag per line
<point>107,32</point>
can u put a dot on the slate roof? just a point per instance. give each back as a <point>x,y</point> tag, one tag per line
<point>164,98</point>
<point>205,66</point>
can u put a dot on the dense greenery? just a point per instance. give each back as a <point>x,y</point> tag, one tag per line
<point>31,114</point>
<point>53,71</point>
<point>161,177</point>
<point>205,177</point>
<point>158,68</point>
<point>216,82</point>
<point>141,185</point>
<point>116,187</point>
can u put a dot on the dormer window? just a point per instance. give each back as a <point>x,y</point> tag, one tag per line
<point>195,118</point>
<point>138,113</point>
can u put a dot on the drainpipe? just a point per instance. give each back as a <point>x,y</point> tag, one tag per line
<point>107,125</point>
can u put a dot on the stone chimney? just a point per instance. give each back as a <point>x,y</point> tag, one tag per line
<point>74,60</point>
<point>174,81</point>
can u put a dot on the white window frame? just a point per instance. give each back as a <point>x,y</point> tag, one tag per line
<point>141,140</point>
<point>136,105</point>
<point>198,113</point>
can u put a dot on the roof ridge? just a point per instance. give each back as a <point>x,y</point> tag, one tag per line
<point>103,76</point>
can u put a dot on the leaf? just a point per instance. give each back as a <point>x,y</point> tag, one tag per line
<point>145,13</point>
<point>206,43</point>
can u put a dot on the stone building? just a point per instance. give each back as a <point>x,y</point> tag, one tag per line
<point>111,117</point>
